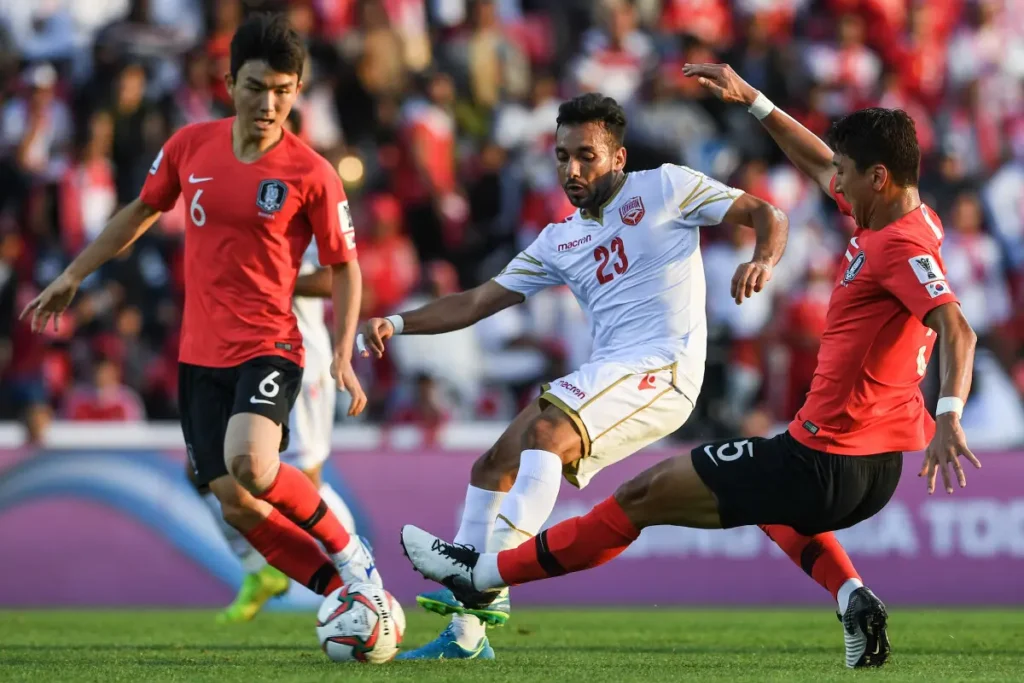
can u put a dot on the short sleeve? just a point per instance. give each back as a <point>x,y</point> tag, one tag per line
<point>163,185</point>
<point>914,274</point>
<point>701,200</point>
<point>530,271</point>
<point>329,215</point>
<point>844,206</point>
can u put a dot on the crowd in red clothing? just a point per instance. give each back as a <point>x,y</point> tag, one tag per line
<point>440,118</point>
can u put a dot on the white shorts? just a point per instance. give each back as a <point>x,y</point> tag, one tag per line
<point>618,408</point>
<point>311,423</point>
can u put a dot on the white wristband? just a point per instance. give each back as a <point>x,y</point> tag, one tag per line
<point>761,107</point>
<point>397,322</point>
<point>949,404</point>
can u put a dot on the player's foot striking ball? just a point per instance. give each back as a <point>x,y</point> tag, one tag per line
<point>841,458</point>
<point>255,197</point>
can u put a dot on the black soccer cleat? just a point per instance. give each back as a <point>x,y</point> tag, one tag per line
<point>864,630</point>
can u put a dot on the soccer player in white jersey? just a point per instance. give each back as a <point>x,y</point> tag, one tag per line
<point>630,254</point>
<point>309,445</point>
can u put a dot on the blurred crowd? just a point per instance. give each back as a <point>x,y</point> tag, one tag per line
<point>439,115</point>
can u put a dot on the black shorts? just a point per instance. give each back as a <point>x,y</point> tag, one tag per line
<point>208,397</point>
<point>781,481</point>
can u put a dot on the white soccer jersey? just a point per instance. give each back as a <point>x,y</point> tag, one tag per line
<point>309,312</point>
<point>636,268</point>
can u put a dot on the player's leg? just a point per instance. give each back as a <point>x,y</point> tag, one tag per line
<point>265,392</point>
<point>671,492</point>
<point>206,399</point>
<point>821,557</point>
<point>261,582</point>
<point>491,476</point>
<point>311,424</point>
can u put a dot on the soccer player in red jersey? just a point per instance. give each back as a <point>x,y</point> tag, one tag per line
<point>840,460</point>
<point>256,196</point>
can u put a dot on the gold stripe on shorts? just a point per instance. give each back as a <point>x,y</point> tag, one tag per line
<point>512,526</point>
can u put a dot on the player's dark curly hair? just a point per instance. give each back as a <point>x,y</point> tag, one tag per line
<point>880,136</point>
<point>270,38</point>
<point>595,107</point>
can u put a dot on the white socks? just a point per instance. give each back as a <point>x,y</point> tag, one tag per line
<point>845,591</point>
<point>485,574</point>
<point>478,515</point>
<point>520,515</point>
<point>337,505</point>
<point>250,558</point>
<point>530,502</point>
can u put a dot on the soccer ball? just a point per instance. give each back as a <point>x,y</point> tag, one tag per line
<point>360,623</point>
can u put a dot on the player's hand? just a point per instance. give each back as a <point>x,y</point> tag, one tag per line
<point>345,376</point>
<point>375,331</point>
<point>948,444</point>
<point>722,82</point>
<point>750,277</point>
<point>51,302</point>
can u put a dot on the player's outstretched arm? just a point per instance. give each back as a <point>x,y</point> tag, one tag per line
<point>315,285</point>
<point>806,150</point>
<point>452,312</point>
<point>956,369</point>
<point>771,226</point>
<point>126,226</point>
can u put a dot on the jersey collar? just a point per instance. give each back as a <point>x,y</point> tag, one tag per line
<point>598,215</point>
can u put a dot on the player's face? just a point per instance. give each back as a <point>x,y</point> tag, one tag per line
<point>589,161</point>
<point>263,97</point>
<point>861,188</point>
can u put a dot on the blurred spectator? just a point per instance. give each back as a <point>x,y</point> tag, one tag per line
<point>440,118</point>
<point>105,399</point>
<point>386,257</point>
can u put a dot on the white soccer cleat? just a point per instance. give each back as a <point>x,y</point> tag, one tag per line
<point>356,564</point>
<point>864,630</point>
<point>450,564</point>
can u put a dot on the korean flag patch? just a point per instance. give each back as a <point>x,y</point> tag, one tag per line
<point>937,289</point>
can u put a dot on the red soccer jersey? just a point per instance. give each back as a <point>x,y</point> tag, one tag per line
<point>865,396</point>
<point>247,228</point>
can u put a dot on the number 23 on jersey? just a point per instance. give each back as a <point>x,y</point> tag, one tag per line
<point>613,255</point>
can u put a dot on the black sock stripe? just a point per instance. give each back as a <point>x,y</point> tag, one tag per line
<point>321,510</point>
<point>809,555</point>
<point>547,560</point>
<point>321,578</point>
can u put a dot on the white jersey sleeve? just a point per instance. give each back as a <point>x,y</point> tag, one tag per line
<point>532,270</point>
<point>701,200</point>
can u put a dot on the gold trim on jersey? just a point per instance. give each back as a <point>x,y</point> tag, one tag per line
<point>599,215</point>
<point>573,415</point>
<point>509,270</point>
<point>708,201</point>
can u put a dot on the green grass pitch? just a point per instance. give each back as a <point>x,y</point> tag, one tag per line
<point>538,645</point>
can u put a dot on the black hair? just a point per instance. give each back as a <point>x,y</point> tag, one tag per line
<point>880,136</point>
<point>269,38</point>
<point>593,107</point>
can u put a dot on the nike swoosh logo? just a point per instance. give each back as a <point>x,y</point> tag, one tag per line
<point>369,570</point>
<point>253,399</point>
<point>707,449</point>
<point>192,179</point>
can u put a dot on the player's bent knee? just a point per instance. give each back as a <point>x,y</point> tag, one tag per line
<point>255,473</point>
<point>554,431</point>
<point>671,492</point>
<point>635,498</point>
<point>496,469</point>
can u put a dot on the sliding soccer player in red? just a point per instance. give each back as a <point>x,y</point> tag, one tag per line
<point>841,458</point>
<point>255,196</point>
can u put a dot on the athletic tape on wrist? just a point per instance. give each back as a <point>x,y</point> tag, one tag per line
<point>761,107</point>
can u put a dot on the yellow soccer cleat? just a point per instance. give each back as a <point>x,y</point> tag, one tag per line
<point>256,590</point>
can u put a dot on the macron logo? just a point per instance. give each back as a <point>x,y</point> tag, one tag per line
<point>573,244</point>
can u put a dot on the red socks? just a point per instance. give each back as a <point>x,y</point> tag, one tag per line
<point>290,549</point>
<point>294,494</point>
<point>821,556</point>
<point>570,546</point>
